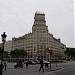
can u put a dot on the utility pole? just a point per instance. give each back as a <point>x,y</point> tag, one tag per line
<point>50,51</point>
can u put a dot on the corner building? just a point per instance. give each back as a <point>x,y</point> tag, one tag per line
<point>37,42</point>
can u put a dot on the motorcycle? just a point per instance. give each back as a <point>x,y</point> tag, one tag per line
<point>18,66</point>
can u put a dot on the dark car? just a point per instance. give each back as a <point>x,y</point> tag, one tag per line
<point>31,62</point>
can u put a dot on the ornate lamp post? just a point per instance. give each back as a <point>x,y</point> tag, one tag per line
<point>3,41</point>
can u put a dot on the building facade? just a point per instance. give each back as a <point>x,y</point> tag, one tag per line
<point>8,46</point>
<point>37,42</point>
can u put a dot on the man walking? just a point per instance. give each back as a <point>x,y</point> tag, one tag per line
<point>5,64</point>
<point>41,65</point>
<point>26,64</point>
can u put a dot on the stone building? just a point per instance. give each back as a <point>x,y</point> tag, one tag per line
<point>37,42</point>
<point>0,45</point>
<point>8,46</point>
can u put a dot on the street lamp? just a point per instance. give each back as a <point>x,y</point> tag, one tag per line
<point>3,41</point>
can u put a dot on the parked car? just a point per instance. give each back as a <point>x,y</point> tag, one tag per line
<point>31,62</point>
<point>37,62</point>
<point>46,62</point>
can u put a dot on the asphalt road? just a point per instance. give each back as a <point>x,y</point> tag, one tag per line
<point>69,69</point>
<point>66,69</point>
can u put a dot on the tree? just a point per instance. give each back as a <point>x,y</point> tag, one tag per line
<point>5,53</point>
<point>18,53</point>
<point>70,52</point>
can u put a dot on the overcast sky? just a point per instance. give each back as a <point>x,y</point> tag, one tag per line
<point>17,17</point>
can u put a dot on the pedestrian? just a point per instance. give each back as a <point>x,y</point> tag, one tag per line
<point>5,65</point>
<point>20,64</point>
<point>46,66</point>
<point>27,65</point>
<point>17,62</point>
<point>41,65</point>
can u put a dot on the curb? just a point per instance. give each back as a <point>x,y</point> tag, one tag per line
<point>52,71</point>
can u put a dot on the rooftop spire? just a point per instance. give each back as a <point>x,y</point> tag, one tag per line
<point>38,12</point>
<point>39,18</point>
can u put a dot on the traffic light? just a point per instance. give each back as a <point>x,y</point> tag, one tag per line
<point>50,50</point>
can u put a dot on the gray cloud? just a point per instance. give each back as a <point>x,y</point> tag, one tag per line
<point>17,16</point>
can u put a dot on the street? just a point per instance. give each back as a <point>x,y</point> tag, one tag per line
<point>62,69</point>
<point>68,69</point>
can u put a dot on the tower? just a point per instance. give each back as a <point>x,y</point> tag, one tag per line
<point>40,32</point>
<point>39,23</point>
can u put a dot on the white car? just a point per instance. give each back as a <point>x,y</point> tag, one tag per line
<point>46,62</point>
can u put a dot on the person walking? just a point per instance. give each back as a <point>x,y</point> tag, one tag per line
<point>41,65</point>
<point>46,66</point>
<point>5,65</point>
<point>27,65</point>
